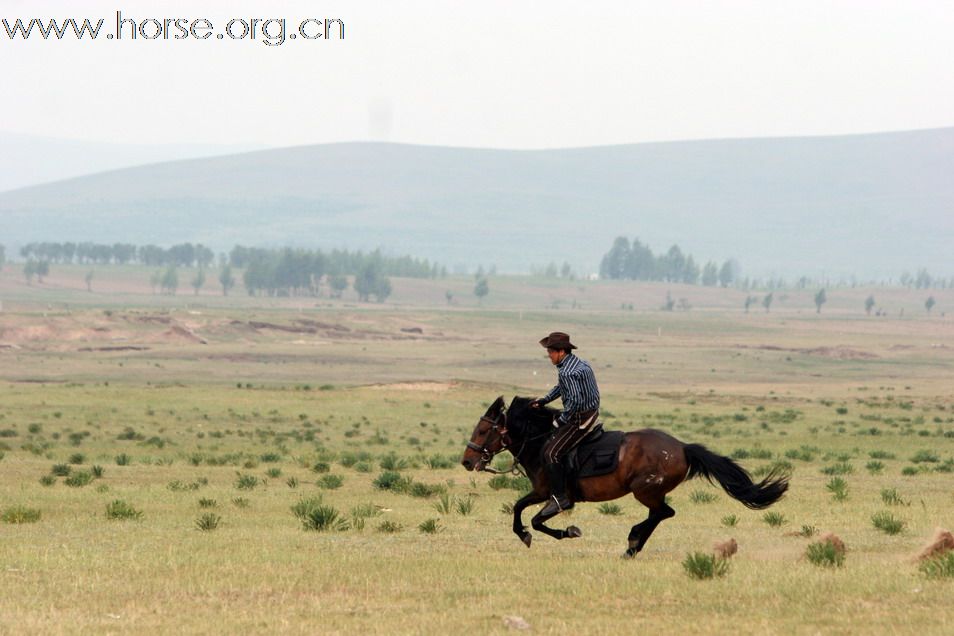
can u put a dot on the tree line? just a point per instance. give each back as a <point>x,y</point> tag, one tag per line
<point>87,253</point>
<point>636,261</point>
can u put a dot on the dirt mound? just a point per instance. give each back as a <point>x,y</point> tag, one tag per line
<point>832,538</point>
<point>181,333</point>
<point>725,549</point>
<point>941,543</point>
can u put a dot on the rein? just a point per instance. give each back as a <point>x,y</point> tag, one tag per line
<point>486,455</point>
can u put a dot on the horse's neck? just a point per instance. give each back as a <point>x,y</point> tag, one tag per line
<point>530,446</point>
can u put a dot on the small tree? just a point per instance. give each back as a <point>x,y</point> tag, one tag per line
<point>869,304</point>
<point>767,301</point>
<point>820,299</point>
<point>226,279</point>
<point>89,281</point>
<point>929,304</point>
<point>198,281</point>
<point>170,281</point>
<point>449,295</point>
<point>29,271</point>
<point>338,283</point>
<point>481,289</point>
<point>749,301</point>
<point>154,280</point>
<point>42,269</point>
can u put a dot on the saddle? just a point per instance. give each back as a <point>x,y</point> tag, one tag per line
<point>597,454</point>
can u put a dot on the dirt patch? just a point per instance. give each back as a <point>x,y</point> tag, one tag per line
<point>839,352</point>
<point>178,333</point>
<point>941,543</point>
<point>435,387</point>
<point>117,348</point>
<point>269,325</point>
<point>725,549</point>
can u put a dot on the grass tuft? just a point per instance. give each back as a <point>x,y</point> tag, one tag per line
<point>20,514</point>
<point>774,519</point>
<point>887,522</point>
<point>730,521</point>
<point>699,565</point>
<point>208,522</point>
<point>838,488</point>
<point>430,526</point>
<point>611,509</point>
<point>702,496</point>
<point>330,481</point>
<point>940,567</point>
<point>244,481</point>
<point>119,510</point>
<point>825,554</point>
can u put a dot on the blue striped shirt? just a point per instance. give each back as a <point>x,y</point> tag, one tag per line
<point>576,385</point>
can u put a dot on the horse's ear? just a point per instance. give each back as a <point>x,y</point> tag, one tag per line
<point>498,403</point>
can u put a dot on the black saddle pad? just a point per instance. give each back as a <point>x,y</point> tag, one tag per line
<point>598,457</point>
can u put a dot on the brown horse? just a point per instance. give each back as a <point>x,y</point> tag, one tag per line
<point>651,463</point>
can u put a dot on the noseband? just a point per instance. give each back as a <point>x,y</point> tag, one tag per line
<point>487,454</point>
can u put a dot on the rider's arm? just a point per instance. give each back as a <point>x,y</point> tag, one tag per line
<point>549,397</point>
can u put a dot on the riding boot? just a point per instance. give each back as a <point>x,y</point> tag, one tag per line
<point>558,500</point>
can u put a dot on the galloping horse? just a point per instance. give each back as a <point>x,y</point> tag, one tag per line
<point>651,463</point>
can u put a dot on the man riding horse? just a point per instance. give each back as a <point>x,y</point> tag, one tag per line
<point>576,386</point>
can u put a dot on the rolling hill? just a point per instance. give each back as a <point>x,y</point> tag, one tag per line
<point>869,205</point>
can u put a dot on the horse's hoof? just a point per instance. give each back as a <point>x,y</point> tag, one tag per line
<point>629,555</point>
<point>573,532</point>
<point>526,538</point>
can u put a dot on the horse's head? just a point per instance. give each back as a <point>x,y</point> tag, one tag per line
<point>490,436</point>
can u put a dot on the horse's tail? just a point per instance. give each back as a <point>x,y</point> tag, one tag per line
<point>734,479</point>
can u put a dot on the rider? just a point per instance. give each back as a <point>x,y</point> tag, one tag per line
<point>576,386</point>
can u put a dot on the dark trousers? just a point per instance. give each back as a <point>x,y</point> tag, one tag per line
<point>569,435</point>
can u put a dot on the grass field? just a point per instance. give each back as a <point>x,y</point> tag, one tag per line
<point>211,418</point>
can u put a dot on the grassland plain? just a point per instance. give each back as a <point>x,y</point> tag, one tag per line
<point>243,408</point>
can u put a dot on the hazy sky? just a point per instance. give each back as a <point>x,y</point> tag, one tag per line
<point>506,74</point>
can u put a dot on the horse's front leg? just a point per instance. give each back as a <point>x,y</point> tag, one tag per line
<point>518,507</point>
<point>538,523</point>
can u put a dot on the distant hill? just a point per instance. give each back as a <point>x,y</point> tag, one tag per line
<point>871,205</point>
<point>27,160</point>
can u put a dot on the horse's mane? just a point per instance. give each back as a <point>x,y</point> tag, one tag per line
<point>528,419</point>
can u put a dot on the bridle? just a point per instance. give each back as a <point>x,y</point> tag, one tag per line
<point>503,436</point>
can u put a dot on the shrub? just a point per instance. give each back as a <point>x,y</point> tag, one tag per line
<point>611,509</point>
<point>465,506</point>
<point>838,487</point>
<point>418,489</point>
<point>119,510</point>
<point>269,458</point>
<point>701,566</point>
<point>77,458</point>
<point>330,481</point>
<point>47,480</point>
<point>887,522</point>
<point>323,518</point>
<point>292,482</point>
<point>240,502</point>
<point>879,454</point>
<point>61,470</point>
<point>702,496</point>
<point>840,468</point>
<point>389,527</point>
<point>390,480</point>
<point>446,503</point>
<point>925,456</point>
<point>730,521</point>
<point>273,473</point>
<point>79,479</point>
<point>392,462</point>
<point>208,522</point>
<point>808,531</point>
<point>874,467</point>
<point>435,462</point>
<point>825,554</point>
<point>430,526</point>
<point>208,503</point>
<point>774,519</point>
<point>891,497</point>
<point>305,506</point>
<point>20,514</point>
<point>365,511</point>
<point>98,471</point>
<point>122,459</point>
<point>245,481</point>
<point>321,467</point>
<point>909,471</point>
<point>940,567</point>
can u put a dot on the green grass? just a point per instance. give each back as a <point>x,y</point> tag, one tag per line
<point>705,566</point>
<point>887,523</point>
<point>119,510</point>
<point>940,567</point>
<point>20,514</point>
<point>825,554</point>
<point>262,567</point>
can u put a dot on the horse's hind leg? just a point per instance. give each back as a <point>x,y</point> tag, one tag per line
<point>538,523</point>
<point>642,530</point>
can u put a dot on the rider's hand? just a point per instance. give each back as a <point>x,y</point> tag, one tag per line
<point>535,403</point>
